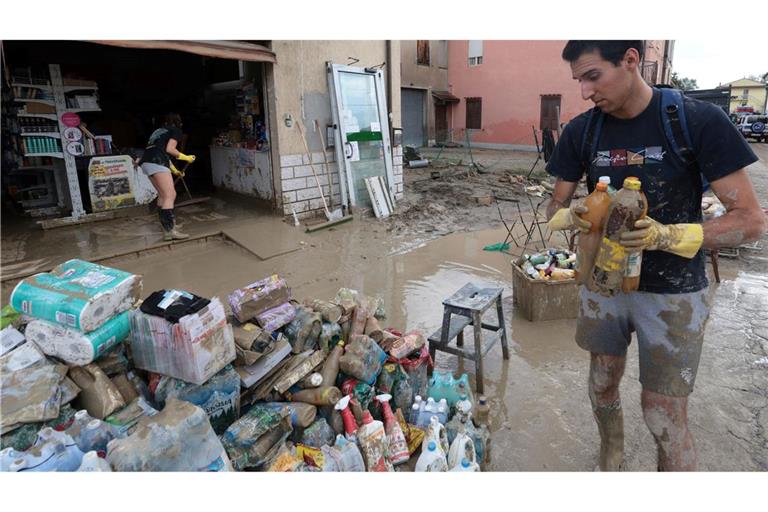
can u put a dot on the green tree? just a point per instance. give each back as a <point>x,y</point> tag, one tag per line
<point>685,84</point>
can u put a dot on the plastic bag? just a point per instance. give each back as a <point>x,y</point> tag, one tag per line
<point>304,330</point>
<point>416,367</point>
<point>318,434</point>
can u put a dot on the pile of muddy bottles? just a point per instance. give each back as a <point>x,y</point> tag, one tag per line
<point>604,265</point>
<point>552,264</point>
<point>257,382</point>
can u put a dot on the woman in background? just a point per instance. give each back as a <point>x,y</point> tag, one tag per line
<point>156,163</point>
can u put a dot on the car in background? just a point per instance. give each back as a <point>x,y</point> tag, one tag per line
<point>753,126</point>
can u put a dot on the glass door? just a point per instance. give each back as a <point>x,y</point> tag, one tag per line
<point>362,136</point>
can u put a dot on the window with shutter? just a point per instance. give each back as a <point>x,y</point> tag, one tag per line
<point>422,53</point>
<point>474,113</point>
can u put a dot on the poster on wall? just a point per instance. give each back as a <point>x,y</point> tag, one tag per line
<point>111,182</point>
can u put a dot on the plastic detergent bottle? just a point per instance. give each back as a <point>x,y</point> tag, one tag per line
<point>96,436</point>
<point>92,462</point>
<point>398,447</point>
<point>373,444</point>
<point>351,458</point>
<point>7,456</point>
<point>610,263</point>
<point>350,425</point>
<point>631,281</point>
<point>467,466</point>
<point>598,203</point>
<point>431,459</point>
<point>52,455</point>
<point>463,447</point>
<point>436,432</point>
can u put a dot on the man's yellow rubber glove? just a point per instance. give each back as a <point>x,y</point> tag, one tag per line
<point>568,218</point>
<point>682,239</point>
<point>186,158</point>
<point>175,171</point>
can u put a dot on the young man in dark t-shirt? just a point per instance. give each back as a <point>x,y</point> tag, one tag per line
<point>670,309</point>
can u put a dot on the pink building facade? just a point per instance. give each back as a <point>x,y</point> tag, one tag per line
<point>515,85</point>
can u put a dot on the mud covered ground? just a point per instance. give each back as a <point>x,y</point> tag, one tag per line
<point>541,418</point>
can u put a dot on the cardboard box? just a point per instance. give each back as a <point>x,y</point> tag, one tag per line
<point>541,300</point>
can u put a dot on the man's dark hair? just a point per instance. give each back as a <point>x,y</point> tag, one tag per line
<point>172,120</point>
<point>612,51</point>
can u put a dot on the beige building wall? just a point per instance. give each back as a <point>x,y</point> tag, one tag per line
<point>429,78</point>
<point>748,93</point>
<point>298,90</point>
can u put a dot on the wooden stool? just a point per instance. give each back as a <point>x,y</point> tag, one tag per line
<point>468,305</point>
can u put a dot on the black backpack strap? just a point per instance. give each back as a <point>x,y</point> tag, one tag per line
<point>590,138</point>
<point>676,127</point>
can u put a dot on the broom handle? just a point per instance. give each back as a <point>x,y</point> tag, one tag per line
<point>327,167</point>
<point>306,148</point>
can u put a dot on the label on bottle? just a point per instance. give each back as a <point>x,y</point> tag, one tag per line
<point>611,256</point>
<point>634,262</point>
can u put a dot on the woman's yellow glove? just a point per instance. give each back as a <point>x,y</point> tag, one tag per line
<point>186,158</point>
<point>682,239</point>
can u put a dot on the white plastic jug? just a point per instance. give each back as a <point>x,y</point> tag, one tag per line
<point>432,459</point>
<point>92,462</point>
<point>467,466</point>
<point>436,432</point>
<point>463,447</point>
<point>95,436</point>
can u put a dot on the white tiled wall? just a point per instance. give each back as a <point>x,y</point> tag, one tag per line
<point>300,192</point>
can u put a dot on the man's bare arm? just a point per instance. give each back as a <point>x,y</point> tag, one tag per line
<point>744,220</point>
<point>561,196</point>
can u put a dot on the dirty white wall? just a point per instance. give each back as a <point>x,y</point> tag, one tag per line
<point>300,89</point>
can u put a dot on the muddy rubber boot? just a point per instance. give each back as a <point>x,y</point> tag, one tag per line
<point>168,221</point>
<point>610,424</point>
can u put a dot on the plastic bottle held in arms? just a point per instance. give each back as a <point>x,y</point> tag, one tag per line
<point>627,207</point>
<point>631,281</point>
<point>598,203</point>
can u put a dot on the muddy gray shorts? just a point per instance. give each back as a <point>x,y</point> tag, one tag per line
<point>149,168</point>
<point>670,332</point>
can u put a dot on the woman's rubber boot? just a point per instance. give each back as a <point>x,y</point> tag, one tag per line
<point>168,221</point>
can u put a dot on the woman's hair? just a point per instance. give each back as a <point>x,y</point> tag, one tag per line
<point>172,119</point>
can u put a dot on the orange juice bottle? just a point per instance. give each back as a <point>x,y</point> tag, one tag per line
<point>598,203</point>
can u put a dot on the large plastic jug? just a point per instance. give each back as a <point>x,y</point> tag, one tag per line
<point>7,456</point>
<point>436,432</point>
<point>51,455</point>
<point>432,459</point>
<point>373,443</point>
<point>463,447</point>
<point>95,437</point>
<point>343,456</point>
<point>92,462</point>
<point>466,466</point>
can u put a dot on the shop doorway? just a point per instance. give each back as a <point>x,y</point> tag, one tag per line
<point>119,95</point>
